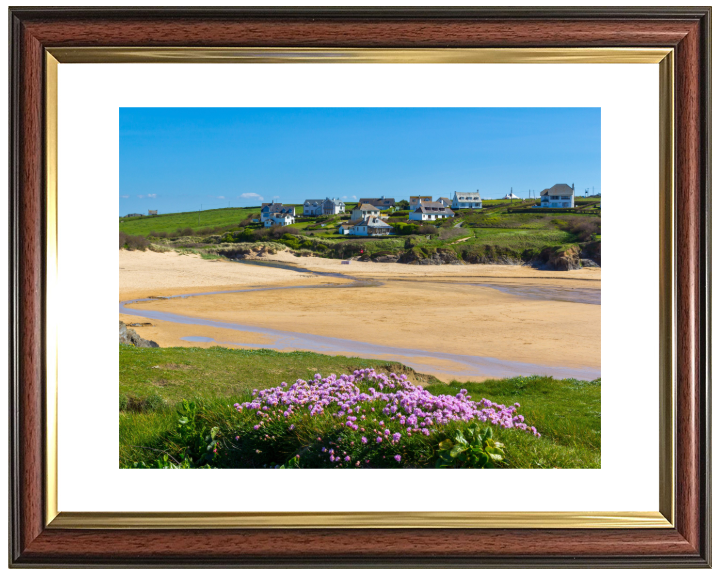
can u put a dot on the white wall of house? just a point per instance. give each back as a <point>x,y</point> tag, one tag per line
<point>557,201</point>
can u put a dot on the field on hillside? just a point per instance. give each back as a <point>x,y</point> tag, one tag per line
<point>177,410</point>
<point>143,225</point>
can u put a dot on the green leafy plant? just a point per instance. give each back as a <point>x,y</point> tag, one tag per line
<point>201,444</point>
<point>470,448</point>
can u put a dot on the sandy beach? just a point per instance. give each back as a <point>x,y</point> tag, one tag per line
<point>456,310</point>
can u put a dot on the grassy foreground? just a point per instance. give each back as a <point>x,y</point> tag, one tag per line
<point>155,423</point>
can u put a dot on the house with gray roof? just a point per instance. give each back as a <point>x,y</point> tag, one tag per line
<point>371,227</point>
<point>431,211</point>
<point>444,201</point>
<point>559,196</point>
<point>467,200</point>
<point>323,207</point>
<point>268,209</point>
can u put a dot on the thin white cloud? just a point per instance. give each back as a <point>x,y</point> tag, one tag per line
<point>152,195</point>
<point>221,197</point>
<point>251,196</point>
<point>345,197</point>
<point>276,197</point>
<point>124,196</point>
<point>354,197</point>
<point>141,196</point>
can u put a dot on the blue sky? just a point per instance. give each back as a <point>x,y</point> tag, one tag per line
<point>177,159</point>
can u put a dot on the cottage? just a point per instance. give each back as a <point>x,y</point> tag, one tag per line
<point>382,202</point>
<point>279,219</point>
<point>559,196</point>
<point>511,196</point>
<point>467,200</point>
<point>431,211</point>
<point>323,207</point>
<point>415,201</point>
<point>269,208</point>
<point>152,212</point>
<point>371,227</point>
<point>345,227</point>
<point>133,215</point>
<point>363,210</point>
<point>444,201</point>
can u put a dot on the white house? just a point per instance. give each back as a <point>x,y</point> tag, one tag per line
<point>268,209</point>
<point>431,211</point>
<point>362,211</point>
<point>371,227</point>
<point>415,201</point>
<point>466,200</point>
<point>279,219</point>
<point>511,196</point>
<point>559,196</point>
<point>322,207</point>
<point>444,201</point>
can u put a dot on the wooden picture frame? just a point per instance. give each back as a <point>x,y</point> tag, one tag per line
<point>35,32</point>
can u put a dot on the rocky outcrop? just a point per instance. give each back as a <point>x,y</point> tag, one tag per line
<point>429,258</point>
<point>129,336</point>
<point>591,251</point>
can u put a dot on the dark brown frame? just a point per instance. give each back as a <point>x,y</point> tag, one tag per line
<point>685,29</point>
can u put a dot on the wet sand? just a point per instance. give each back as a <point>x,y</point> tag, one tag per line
<point>459,311</point>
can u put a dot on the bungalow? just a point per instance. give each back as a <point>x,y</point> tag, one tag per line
<point>431,211</point>
<point>559,196</point>
<point>444,201</point>
<point>279,219</point>
<point>345,227</point>
<point>133,215</point>
<point>466,200</point>
<point>322,207</point>
<point>415,201</point>
<point>363,210</point>
<point>371,227</point>
<point>511,196</point>
<point>269,208</point>
<point>381,202</point>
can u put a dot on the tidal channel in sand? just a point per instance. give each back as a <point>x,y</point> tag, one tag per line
<point>452,327</point>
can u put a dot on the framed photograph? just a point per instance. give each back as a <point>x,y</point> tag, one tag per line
<point>359,286</point>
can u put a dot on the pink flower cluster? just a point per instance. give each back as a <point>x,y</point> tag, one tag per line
<point>413,407</point>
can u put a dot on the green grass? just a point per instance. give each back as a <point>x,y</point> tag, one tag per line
<point>153,381</point>
<point>171,222</point>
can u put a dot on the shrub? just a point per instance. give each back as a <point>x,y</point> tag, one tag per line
<point>405,229</point>
<point>428,229</point>
<point>583,227</point>
<point>133,242</point>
